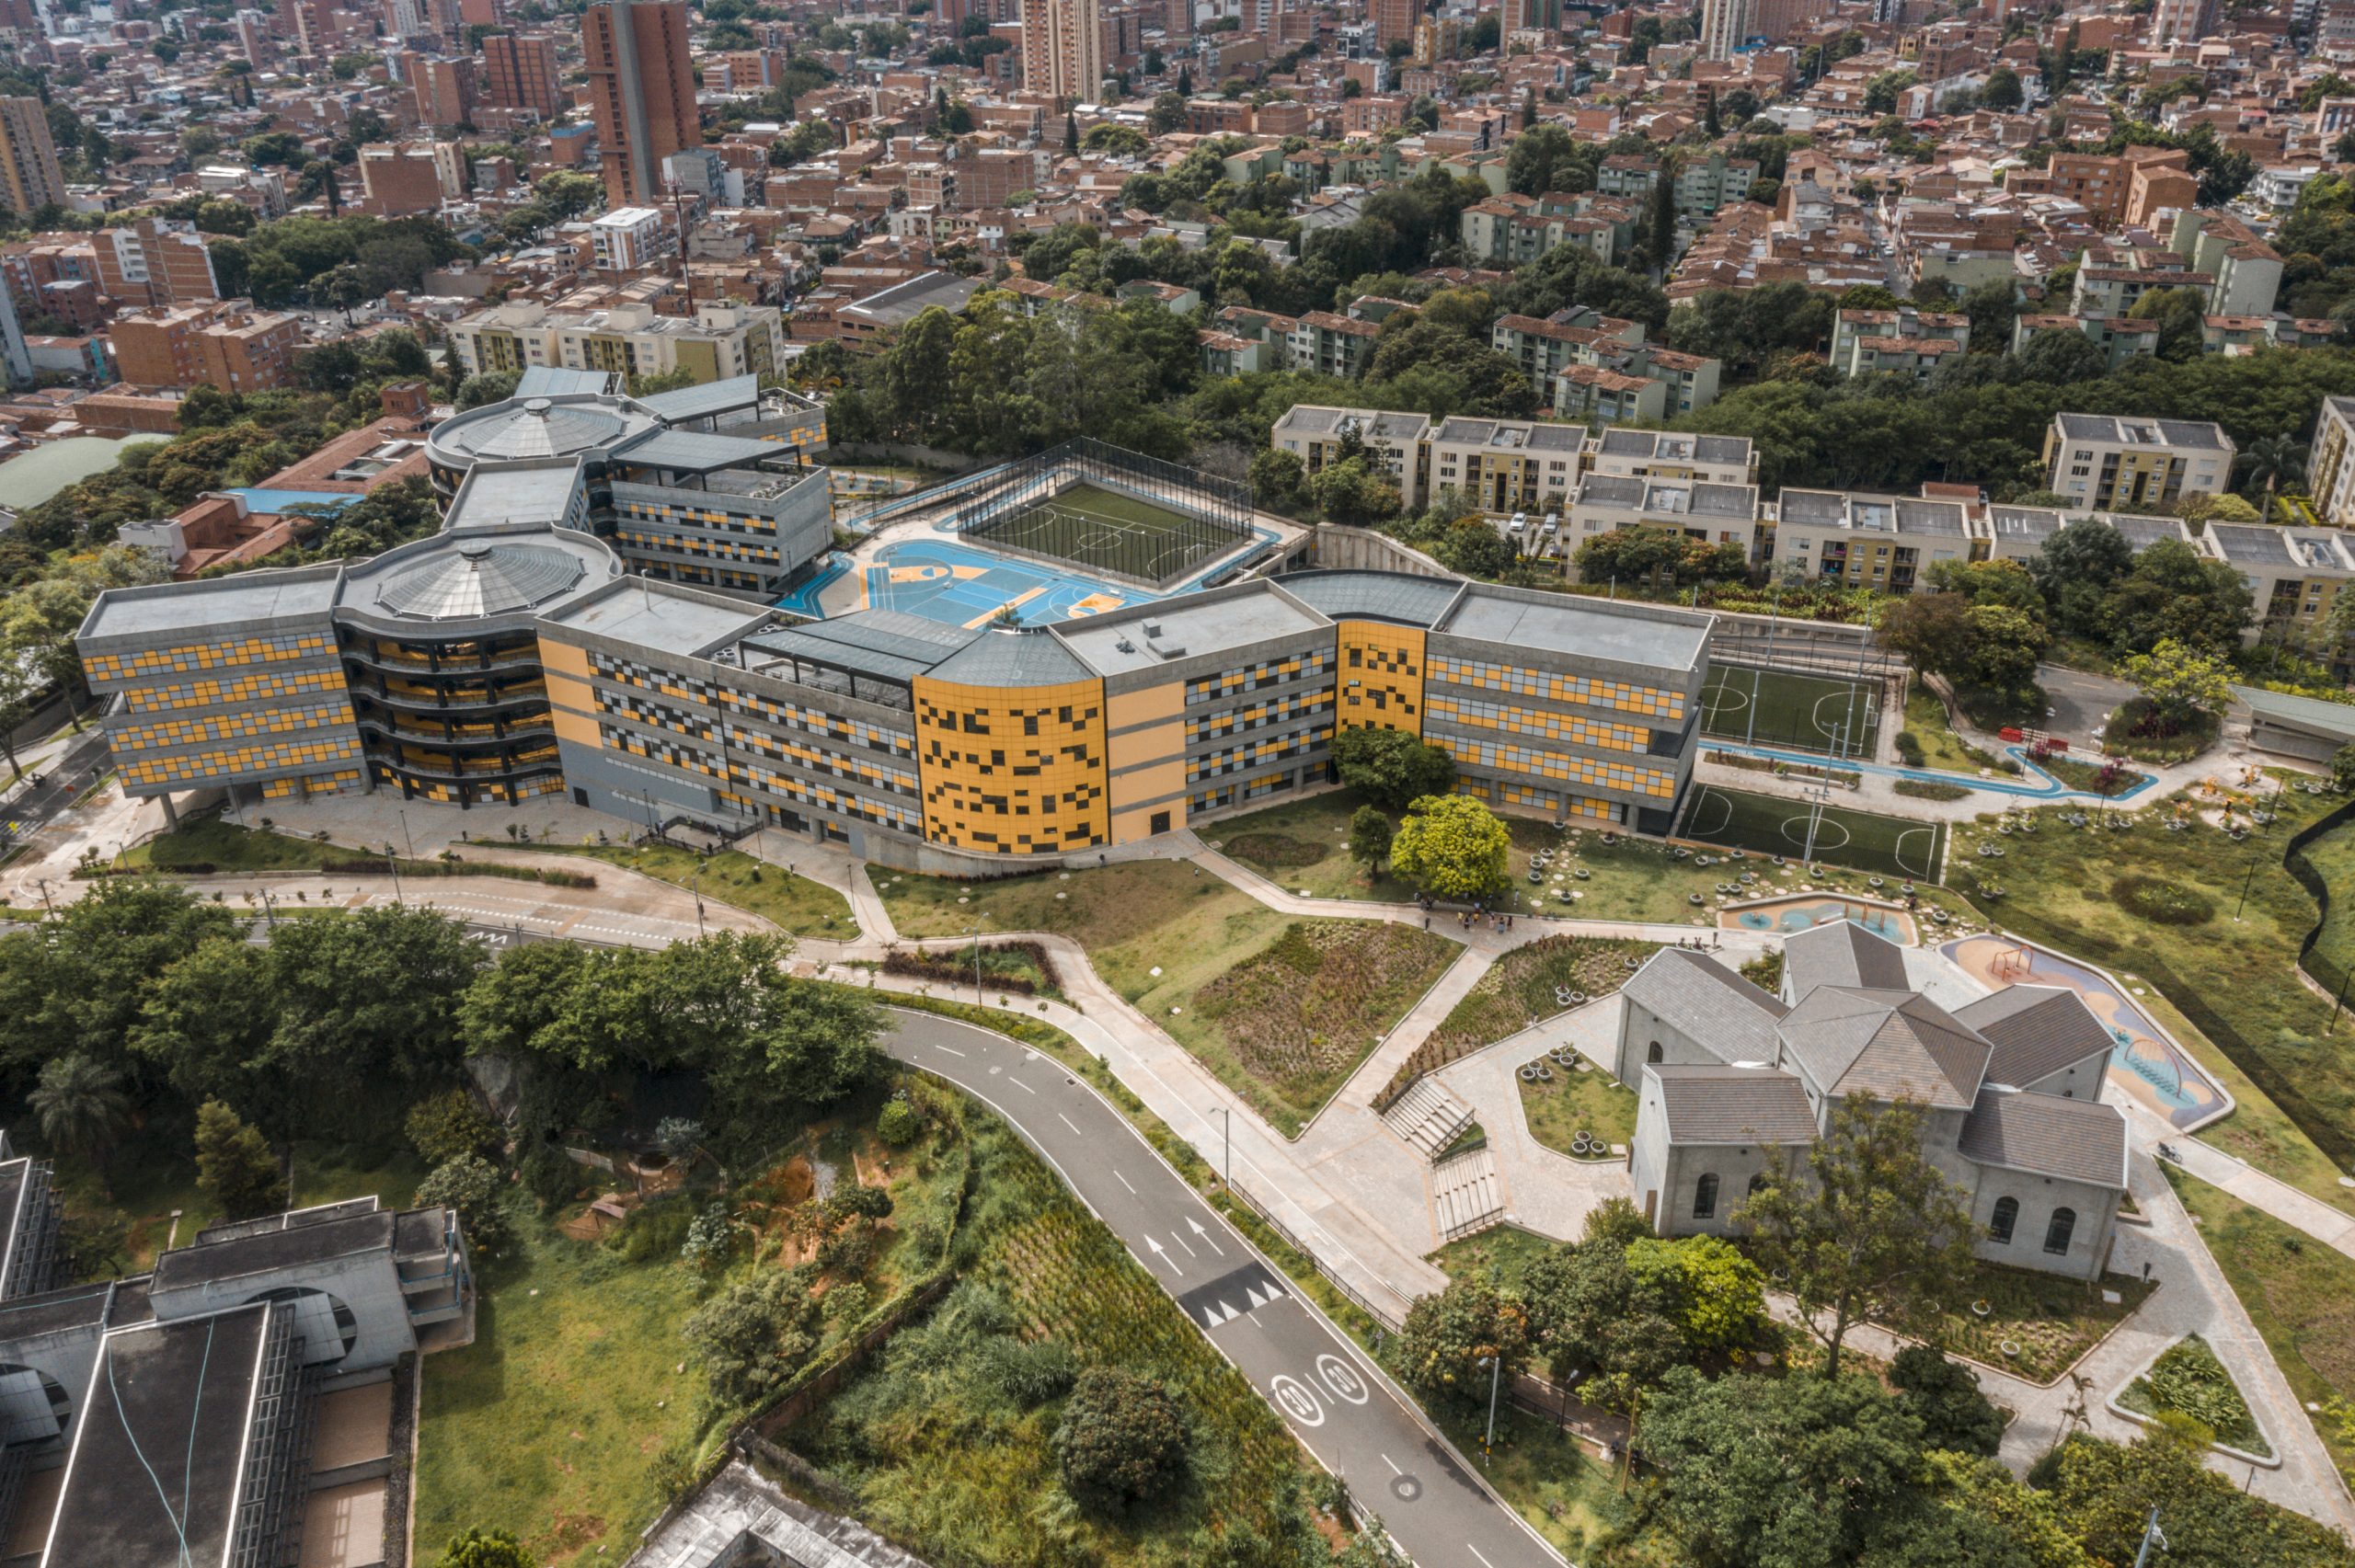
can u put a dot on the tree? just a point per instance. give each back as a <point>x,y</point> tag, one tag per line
<point>80,1105</point>
<point>1450,1337</point>
<point>1932,631</point>
<point>2272,461</point>
<point>1472,545</point>
<point>2006,645</point>
<point>495,1550</point>
<point>2180,684</point>
<point>1452,847</point>
<point>1278,478</point>
<point>2077,566</point>
<point>754,1334</point>
<point>2103,1492</point>
<point>471,1184</point>
<point>1877,1222</point>
<point>2003,91</point>
<point>2173,591</point>
<point>488,386</point>
<point>2342,768</point>
<point>1370,836</point>
<point>234,1164</point>
<point>1123,1439</point>
<point>1071,133</point>
<point>1717,1296</point>
<point>1791,1472</point>
<point>1390,767</point>
<point>1944,1397</point>
<point>449,1125</point>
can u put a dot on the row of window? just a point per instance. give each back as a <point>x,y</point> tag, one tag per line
<point>110,667</point>
<point>2059,1231</point>
<point>230,726</point>
<point>1250,677</point>
<point>978,721</point>
<point>219,693</point>
<point>1211,799</point>
<point>280,758</point>
<point>1594,772</point>
<point>693,544</point>
<point>1549,726</point>
<point>1239,758</point>
<point>776,711</point>
<point>1594,692</point>
<point>1235,721</point>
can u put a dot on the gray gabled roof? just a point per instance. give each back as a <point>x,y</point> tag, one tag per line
<point>1842,953</point>
<point>1733,1104</point>
<point>1707,1002</point>
<point>1001,657</point>
<point>2036,1030</point>
<point>2078,1140</point>
<point>1885,1045</point>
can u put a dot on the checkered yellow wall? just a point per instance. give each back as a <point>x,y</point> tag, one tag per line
<point>1012,770</point>
<point>1379,677</point>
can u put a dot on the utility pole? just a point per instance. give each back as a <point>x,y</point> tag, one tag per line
<point>2152,1535</point>
<point>1496,1365</point>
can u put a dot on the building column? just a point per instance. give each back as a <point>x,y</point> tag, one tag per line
<point>171,817</point>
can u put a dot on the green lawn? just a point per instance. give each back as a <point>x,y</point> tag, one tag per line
<point>2256,1131</point>
<point>1110,530</point>
<point>549,1424</point>
<point>2299,1293</point>
<point>1281,1010</point>
<point>1765,824</point>
<point>2232,978</point>
<point>1497,1256</point>
<point>1782,707</point>
<point>1572,1102</point>
<point>2052,1320</point>
<point>1303,845</point>
<point>1925,720</point>
<point>1555,1482</point>
<point>2332,858</point>
<point>793,903</point>
<point>215,843</point>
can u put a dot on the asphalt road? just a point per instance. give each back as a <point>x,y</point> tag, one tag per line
<point>66,776</point>
<point>1323,1387</point>
<point>2078,700</point>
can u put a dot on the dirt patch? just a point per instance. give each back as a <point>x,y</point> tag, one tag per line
<point>569,1533</point>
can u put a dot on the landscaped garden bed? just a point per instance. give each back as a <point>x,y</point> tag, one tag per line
<point>792,903</point>
<point>1529,982</point>
<point>2187,1379</point>
<point>1577,1109</point>
<point>2034,1325</point>
<point>1017,969</point>
<point>2134,730</point>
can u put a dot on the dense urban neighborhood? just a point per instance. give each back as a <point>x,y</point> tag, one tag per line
<point>1177,783</point>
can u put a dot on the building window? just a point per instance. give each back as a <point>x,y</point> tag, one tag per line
<point>2057,1234</point>
<point>1705,1197</point>
<point>1652,1056</point>
<point>2000,1224</point>
<point>1160,823</point>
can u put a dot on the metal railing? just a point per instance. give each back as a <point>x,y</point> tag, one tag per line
<point>1390,1321</point>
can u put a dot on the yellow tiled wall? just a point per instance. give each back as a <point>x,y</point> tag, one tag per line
<point>1017,771</point>
<point>1379,677</point>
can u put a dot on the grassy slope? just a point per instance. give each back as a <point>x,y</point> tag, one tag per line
<point>1139,916</point>
<point>791,902</point>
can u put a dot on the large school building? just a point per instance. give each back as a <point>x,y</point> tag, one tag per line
<point>525,650</point>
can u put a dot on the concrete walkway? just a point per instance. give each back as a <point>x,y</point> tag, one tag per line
<point>2331,1227</point>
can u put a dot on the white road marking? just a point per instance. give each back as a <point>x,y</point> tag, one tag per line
<point>1476,1551</point>
<point>951,1049</point>
<point>1068,1122</point>
<point>1024,1087</point>
<point>1184,1244</point>
<point>1124,1181</point>
<point>1205,1235</point>
<point>1163,1254</point>
<point>1393,1464</point>
<point>1297,1402</point>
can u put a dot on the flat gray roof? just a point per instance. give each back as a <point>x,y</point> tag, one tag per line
<point>1373,596</point>
<point>2334,721</point>
<point>1185,628</point>
<point>1585,629</point>
<point>1004,655</point>
<point>657,615</point>
<point>702,402</point>
<point>2143,531</point>
<point>555,381</point>
<point>890,643</point>
<point>697,452</point>
<point>539,491</point>
<point>212,601</point>
<point>2251,545</point>
<point>2026,522</point>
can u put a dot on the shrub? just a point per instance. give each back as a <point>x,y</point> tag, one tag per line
<point>1909,749</point>
<point>2161,902</point>
<point>234,1162</point>
<point>899,1125</point>
<point>2187,1379</point>
<point>848,1303</point>
<point>655,1232</point>
<point>1923,789</point>
<point>711,1238</point>
<point>1123,1439</point>
<point>1944,1396</point>
<point>753,1335</point>
<point>470,1184</point>
<point>448,1124</point>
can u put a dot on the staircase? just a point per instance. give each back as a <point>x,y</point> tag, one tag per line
<point>1428,1118</point>
<point>1467,1197</point>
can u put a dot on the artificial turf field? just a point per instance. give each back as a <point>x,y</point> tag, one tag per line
<point>1112,531</point>
<point>1802,711</point>
<point>1768,824</point>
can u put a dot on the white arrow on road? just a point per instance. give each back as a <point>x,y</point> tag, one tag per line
<point>1163,1254</point>
<point>1205,1235</point>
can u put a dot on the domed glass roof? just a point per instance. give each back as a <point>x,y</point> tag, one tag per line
<point>481,580</point>
<point>538,428</point>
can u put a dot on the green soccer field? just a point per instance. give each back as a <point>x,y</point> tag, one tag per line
<point>1767,824</point>
<point>1112,531</point>
<point>1791,709</point>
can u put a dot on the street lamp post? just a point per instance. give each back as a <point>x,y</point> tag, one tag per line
<point>975,933</point>
<point>404,834</point>
<point>44,896</point>
<point>695,885</point>
<point>1496,1365</point>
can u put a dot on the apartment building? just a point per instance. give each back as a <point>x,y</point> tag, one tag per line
<point>2017,533</point>
<point>520,72</point>
<point>2294,577</point>
<point>1513,229</point>
<point>446,90</point>
<point>30,177</point>
<point>154,262</point>
<point>630,237</point>
<point>1883,543</point>
<point>641,93</point>
<point>1906,340</point>
<point>2330,471</point>
<point>1062,49</point>
<point>2105,464</point>
<point>397,180</point>
<point>1665,454</point>
<point>1331,345</point>
<point>240,351</point>
<point>1322,435</point>
<point>1710,512</point>
<point>1598,368</point>
<point>718,343</point>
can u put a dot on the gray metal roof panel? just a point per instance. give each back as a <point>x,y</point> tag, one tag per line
<point>1842,953</point>
<point>1580,628</point>
<point>1378,596</point>
<point>1885,1045</point>
<point>699,452</point>
<point>702,402</point>
<point>2336,720</point>
<point>555,381</point>
<point>192,607</point>
<point>1006,656</point>
<point>2252,545</point>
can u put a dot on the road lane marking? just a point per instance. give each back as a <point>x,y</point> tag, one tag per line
<point>1184,1244</point>
<point>1075,1128</point>
<point>1163,1254</point>
<point>1019,1084</point>
<point>1124,1181</point>
<point>1205,1235</point>
<point>1476,1551</point>
<point>1393,1464</point>
<point>951,1049</point>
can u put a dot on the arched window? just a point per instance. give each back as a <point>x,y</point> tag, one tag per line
<point>2057,1234</point>
<point>1705,1197</point>
<point>1653,1055</point>
<point>2001,1223</point>
<point>1757,1183</point>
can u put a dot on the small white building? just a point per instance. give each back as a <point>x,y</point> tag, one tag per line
<point>628,238</point>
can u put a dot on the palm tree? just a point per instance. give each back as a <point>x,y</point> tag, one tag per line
<point>81,1106</point>
<point>2278,460</point>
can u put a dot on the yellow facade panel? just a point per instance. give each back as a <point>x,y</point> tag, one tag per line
<point>1379,677</point>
